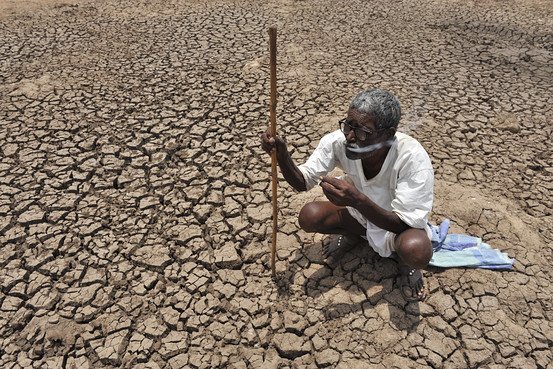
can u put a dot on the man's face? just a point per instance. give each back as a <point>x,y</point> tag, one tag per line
<point>360,132</point>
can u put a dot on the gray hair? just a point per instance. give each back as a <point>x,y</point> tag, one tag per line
<point>381,105</point>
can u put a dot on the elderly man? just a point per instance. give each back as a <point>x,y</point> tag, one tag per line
<point>385,195</point>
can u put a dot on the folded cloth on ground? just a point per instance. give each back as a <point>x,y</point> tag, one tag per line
<point>460,250</point>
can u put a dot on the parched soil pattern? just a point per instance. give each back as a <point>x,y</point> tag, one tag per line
<point>135,213</point>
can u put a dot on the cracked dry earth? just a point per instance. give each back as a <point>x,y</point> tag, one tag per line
<point>135,200</point>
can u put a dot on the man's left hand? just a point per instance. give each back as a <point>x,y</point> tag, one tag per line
<point>340,192</point>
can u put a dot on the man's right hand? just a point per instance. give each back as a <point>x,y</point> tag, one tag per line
<point>290,171</point>
<point>270,143</point>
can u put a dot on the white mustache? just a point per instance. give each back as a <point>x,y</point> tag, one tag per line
<point>366,149</point>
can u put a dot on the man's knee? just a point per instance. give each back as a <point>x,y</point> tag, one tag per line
<point>310,217</point>
<point>414,248</point>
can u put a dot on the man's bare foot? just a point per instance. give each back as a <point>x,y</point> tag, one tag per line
<point>411,284</point>
<point>340,245</point>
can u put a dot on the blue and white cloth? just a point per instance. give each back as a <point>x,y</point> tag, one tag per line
<point>460,250</point>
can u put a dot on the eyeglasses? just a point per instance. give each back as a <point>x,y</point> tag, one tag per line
<point>361,133</point>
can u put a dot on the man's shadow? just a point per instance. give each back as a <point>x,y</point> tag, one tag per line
<point>358,280</point>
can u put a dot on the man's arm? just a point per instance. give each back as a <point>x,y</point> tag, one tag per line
<point>342,193</point>
<point>380,217</point>
<point>289,169</point>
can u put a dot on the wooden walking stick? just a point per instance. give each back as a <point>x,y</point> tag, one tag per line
<point>272,112</point>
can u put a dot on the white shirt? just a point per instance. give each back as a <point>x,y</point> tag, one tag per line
<point>404,184</point>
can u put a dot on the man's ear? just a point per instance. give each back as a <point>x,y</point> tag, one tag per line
<point>390,132</point>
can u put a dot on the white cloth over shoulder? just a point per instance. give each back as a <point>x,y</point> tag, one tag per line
<point>404,185</point>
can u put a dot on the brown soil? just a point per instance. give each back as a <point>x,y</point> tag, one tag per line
<point>135,213</point>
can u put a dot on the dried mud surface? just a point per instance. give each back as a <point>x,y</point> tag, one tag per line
<point>135,213</point>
